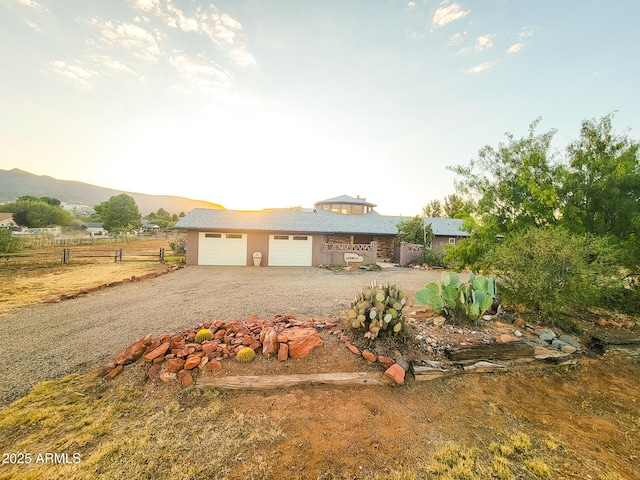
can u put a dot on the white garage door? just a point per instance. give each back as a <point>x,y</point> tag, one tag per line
<point>222,248</point>
<point>290,250</point>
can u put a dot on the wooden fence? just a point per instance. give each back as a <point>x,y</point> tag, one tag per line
<point>69,255</point>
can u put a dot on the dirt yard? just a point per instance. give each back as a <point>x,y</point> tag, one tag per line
<point>570,422</point>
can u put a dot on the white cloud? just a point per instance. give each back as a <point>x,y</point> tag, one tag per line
<point>221,28</point>
<point>33,4</point>
<point>524,33</point>
<point>411,4</point>
<point>456,38</point>
<point>447,14</point>
<point>206,77</point>
<point>484,42</point>
<point>34,26</point>
<point>111,64</point>
<point>480,67</point>
<point>515,48</point>
<point>77,73</point>
<point>242,57</point>
<point>137,40</point>
<point>147,5</point>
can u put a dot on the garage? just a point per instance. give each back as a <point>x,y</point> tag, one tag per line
<point>290,250</point>
<point>222,248</point>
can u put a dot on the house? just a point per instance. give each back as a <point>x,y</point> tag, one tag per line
<point>6,220</point>
<point>94,228</point>
<point>299,237</point>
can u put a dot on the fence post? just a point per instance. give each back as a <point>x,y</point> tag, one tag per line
<point>65,255</point>
<point>162,255</point>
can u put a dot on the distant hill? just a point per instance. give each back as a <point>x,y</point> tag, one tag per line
<point>16,183</point>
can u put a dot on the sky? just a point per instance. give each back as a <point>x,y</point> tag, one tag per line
<point>261,104</point>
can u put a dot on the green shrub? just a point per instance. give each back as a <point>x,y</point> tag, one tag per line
<point>461,300</point>
<point>552,270</point>
<point>8,243</point>
<point>434,258</point>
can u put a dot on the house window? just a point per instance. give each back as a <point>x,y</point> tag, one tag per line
<point>233,235</point>
<point>281,237</point>
<point>212,235</point>
<point>300,237</point>
<point>452,241</point>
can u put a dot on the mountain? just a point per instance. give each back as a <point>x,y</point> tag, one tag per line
<point>16,183</point>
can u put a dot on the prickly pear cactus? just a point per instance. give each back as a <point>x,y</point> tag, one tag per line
<point>379,310</point>
<point>204,335</point>
<point>465,299</point>
<point>245,355</point>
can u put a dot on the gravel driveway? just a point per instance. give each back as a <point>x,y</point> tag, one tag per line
<point>46,341</point>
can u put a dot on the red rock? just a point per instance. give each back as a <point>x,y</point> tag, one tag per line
<point>107,368</point>
<point>213,365</point>
<point>134,351</point>
<point>519,322</point>
<point>53,299</point>
<point>203,362</point>
<point>255,345</point>
<point>238,327</point>
<point>154,371</point>
<point>185,378</point>
<point>208,348</point>
<point>270,342</point>
<point>396,373</point>
<point>214,355</point>
<point>175,365</point>
<point>369,356</point>
<point>168,376</point>
<point>248,340</point>
<point>353,348</point>
<point>302,341</point>
<point>386,362</point>
<point>505,338</point>
<point>158,352</point>
<point>283,352</point>
<point>282,338</point>
<point>115,371</point>
<point>602,322</point>
<point>192,361</point>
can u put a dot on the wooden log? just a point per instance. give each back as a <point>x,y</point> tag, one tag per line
<point>430,372</point>
<point>492,351</point>
<point>269,382</point>
<point>600,344</point>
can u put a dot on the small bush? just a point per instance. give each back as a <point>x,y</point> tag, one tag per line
<point>434,258</point>
<point>552,270</point>
<point>8,243</point>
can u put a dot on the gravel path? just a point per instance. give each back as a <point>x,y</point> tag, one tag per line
<point>46,341</point>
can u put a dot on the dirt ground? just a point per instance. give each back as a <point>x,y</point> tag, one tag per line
<point>583,421</point>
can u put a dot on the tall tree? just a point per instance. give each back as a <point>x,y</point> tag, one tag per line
<point>119,214</point>
<point>34,212</point>
<point>601,186</point>
<point>515,184</point>
<point>455,207</point>
<point>433,209</point>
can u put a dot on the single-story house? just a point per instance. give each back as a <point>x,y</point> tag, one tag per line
<point>94,228</point>
<point>291,237</point>
<point>6,220</point>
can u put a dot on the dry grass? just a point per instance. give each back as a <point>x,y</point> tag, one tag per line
<point>124,429</point>
<point>569,424</point>
<point>25,284</point>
